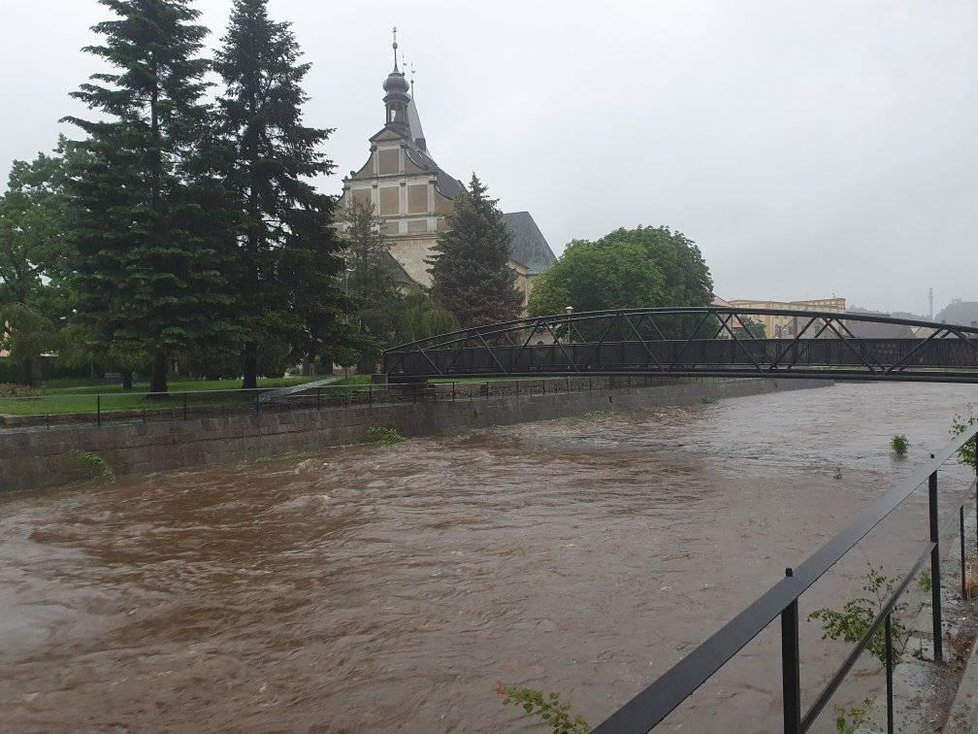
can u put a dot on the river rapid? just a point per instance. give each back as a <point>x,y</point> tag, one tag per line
<point>389,588</point>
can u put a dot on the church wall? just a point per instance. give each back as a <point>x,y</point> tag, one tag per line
<point>418,198</point>
<point>443,205</point>
<point>411,254</point>
<point>388,161</point>
<point>390,200</point>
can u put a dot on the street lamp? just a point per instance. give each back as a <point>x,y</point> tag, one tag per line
<point>569,310</point>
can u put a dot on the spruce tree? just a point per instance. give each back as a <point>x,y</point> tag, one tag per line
<point>149,270</point>
<point>288,253</point>
<point>470,275</point>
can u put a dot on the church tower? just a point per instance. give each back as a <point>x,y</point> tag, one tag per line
<point>412,195</point>
<point>409,192</point>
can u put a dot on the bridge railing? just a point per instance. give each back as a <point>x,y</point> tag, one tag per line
<point>651,706</point>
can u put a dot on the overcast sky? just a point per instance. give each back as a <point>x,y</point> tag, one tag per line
<point>810,149</point>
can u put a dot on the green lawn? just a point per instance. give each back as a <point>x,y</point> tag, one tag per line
<point>57,398</point>
<point>75,387</point>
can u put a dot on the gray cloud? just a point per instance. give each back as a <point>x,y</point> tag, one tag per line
<point>809,148</point>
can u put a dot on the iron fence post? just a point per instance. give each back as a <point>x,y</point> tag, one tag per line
<point>98,410</point>
<point>889,674</point>
<point>319,398</point>
<point>257,405</point>
<point>935,568</point>
<point>370,393</point>
<point>453,391</point>
<point>791,665</point>
<point>964,590</point>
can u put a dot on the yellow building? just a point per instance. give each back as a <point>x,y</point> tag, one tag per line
<point>412,195</point>
<point>778,327</point>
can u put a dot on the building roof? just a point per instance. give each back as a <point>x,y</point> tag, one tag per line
<point>876,330</point>
<point>396,271</point>
<point>448,185</point>
<point>529,246</point>
<point>414,123</point>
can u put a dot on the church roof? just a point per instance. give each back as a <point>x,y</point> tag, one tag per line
<point>529,246</point>
<point>414,123</point>
<point>396,271</point>
<point>447,185</point>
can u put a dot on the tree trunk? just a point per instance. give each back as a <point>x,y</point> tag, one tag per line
<point>27,372</point>
<point>127,380</point>
<point>157,383</point>
<point>250,366</point>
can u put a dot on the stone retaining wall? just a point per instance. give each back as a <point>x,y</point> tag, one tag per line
<point>31,458</point>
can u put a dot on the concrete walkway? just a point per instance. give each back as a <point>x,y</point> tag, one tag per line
<point>294,389</point>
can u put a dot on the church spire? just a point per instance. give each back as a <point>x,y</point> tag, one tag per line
<point>396,97</point>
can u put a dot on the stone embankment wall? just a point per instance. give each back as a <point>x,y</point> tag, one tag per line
<point>39,457</point>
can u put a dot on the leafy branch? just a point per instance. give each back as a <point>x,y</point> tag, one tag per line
<point>852,622</point>
<point>547,707</point>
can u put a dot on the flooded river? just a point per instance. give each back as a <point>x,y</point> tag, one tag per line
<point>389,588</point>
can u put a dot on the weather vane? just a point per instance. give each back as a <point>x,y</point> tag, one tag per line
<point>394,31</point>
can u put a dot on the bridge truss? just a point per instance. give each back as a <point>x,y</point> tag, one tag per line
<point>704,341</point>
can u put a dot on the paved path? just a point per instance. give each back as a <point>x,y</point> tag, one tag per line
<point>293,389</point>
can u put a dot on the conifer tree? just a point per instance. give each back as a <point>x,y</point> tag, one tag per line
<point>149,270</point>
<point>470,275</point>
<point>288,253</point>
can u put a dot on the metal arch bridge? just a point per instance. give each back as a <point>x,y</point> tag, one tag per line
<point>695,341</point>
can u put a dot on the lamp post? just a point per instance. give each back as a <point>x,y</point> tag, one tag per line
<point>569,310</point>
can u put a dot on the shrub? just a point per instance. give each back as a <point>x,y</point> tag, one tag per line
<point>546,707</point>
<point>387,436</point>
<point>95,464</point>
<point>16,391</point>
<point>850,721</point>
<point>923,581</point>
<point>900,444</point>
<point>852,622</point>
<point>959,424</point>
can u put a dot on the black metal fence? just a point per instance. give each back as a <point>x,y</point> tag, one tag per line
<point>652,705</point>
<point>49,411</point>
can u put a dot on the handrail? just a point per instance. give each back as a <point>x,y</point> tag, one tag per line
<point>654,703</point>
<point>502,327</point>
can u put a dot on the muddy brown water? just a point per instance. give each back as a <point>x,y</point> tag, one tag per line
<point>382,589</point>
